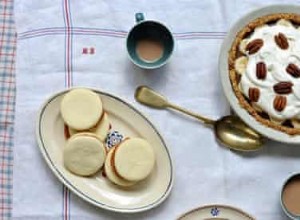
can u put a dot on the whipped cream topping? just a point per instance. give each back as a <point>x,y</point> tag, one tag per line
<point>276,60</point>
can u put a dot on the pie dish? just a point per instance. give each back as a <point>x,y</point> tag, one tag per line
<point>264,68</point>
<point>260,69</point>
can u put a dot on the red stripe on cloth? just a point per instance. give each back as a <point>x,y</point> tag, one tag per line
<point>6,180</point>
<point>66,204</point>
<point>5,193</point>
<point>7,165</point>
<point>6,96</point>
<point>6,54</point>
<point>6,136</point>
<point>5,207</point>
<point>6,14</point>
<point>5,150</point>
<point>6,110</point>
<point>8,1</point>
<point>4,81</point>
<point>68,84</point>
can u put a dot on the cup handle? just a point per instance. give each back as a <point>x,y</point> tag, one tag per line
<point>139,17</point>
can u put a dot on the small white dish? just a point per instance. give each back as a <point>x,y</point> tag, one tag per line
<point>98,190</point>
<point>216,212</point>
<point>224,74</point>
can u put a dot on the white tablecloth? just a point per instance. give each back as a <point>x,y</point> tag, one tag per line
<point>82,43</point>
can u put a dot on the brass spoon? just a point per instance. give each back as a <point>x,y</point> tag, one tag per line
<point>229,130</point>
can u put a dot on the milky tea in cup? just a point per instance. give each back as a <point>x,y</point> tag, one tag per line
<point>290,197</point>
<point>149,50</point>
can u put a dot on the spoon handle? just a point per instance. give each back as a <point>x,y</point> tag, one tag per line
<point>185,111</point>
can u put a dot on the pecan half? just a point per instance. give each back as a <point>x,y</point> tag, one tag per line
<point>261,70</point>
<point>281,41</point>
<point>253,94</point>
<point>254,46</point>
<point>293,70</point>
<point>279,103</point>
<point>283,87</point>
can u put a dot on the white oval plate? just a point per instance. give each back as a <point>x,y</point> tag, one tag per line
<point>97,190</point>
<point>216,212</point>
<point>224,74</point>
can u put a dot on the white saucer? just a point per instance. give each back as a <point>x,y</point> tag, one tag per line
<point>216,212</point>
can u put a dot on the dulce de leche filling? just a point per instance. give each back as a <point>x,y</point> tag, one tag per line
<point>112,162</point>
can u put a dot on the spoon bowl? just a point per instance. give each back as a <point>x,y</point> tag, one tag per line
<point>230,130</point>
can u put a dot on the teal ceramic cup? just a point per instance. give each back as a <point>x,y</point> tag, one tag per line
<point>148,30</point>
<point>295,193</point>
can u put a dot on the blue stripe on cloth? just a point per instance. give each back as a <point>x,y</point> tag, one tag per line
<point>8,6</point>
<point>188,37</point>
<point>65,45</point>
<point>71,49</point>
<point>33,31</point>
<point>52,29</point>
<point>111,32</point>
<point>4,157</point>
<point>5,186</point>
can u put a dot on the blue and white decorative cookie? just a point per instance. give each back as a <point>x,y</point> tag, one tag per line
<point>113,138</point>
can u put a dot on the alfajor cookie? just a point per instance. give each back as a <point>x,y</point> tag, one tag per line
<point>111,174</point>
<point>84,154</point>
<point>81,109</point>
<point>101,129</point>
<point>134,159</point>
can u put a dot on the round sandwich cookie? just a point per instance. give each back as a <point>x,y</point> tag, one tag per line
<point>111,174</point>
<point>101,129</point>
<point>81,109</point>
<point>134,159</point>
<point>84,154</point>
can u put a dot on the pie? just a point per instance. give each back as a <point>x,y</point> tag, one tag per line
<point>264,70</point>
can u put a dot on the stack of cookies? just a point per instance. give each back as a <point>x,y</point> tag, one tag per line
<point>88,125</point>
<point>85,153</point>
